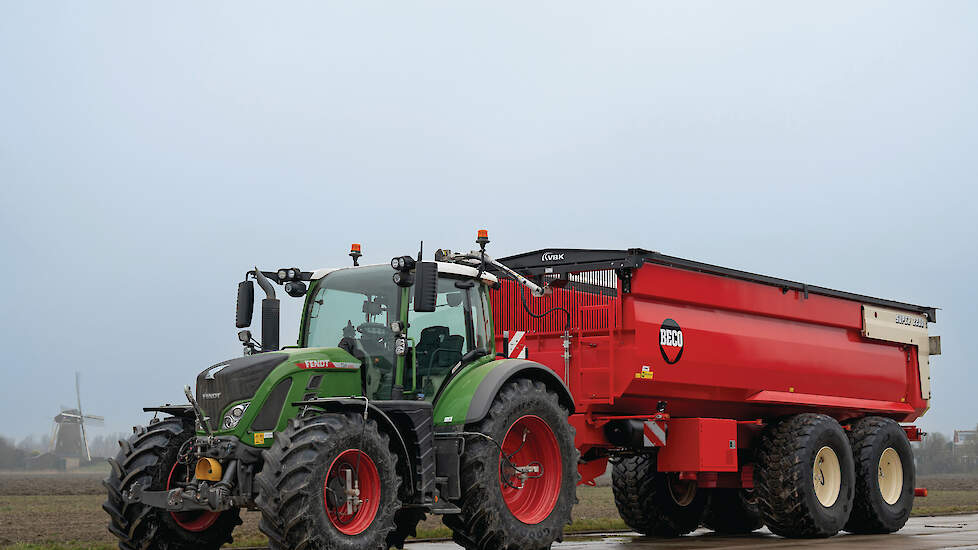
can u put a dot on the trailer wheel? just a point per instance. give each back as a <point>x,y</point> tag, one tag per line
<point>805,477</point>
<point>885,476</point>
<point>732,512</point>
<point>309,474</point>
<point>518,488</point>
<point>149,457</point>
<point>655,503</point>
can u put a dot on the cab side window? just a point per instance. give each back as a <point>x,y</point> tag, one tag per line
<point>441,337</point>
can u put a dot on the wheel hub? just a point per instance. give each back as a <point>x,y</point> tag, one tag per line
<point>516,476</point>
<point>683,492</point>
<point>890,476</point>
<point>827,476</point>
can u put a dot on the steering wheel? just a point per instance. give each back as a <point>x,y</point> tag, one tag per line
<point>379,331</point>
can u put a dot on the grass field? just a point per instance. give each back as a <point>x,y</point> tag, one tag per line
<point>63,512</point>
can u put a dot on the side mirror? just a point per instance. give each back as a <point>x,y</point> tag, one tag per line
<point>246,304</point>
<point>425,286</point>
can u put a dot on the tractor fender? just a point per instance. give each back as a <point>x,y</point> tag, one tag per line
<point>508,369</point>
<point>384,422</point>
<point>179,411</point>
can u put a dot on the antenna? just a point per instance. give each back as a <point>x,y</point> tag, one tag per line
<point>81,415</point>
<point>420,250</point>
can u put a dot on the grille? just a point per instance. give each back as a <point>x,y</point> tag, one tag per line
<point>232,381</point>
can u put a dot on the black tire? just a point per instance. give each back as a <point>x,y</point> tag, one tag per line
<point>871,513</point>
<point>785,485</point>
<point>732,512</point>
<point>486,522</point>
<point>148,457</point>
<point>405,525</point>
<point>650,501</point>
<point>292,480</point>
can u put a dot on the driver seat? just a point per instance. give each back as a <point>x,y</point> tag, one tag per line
<point>428,344</point>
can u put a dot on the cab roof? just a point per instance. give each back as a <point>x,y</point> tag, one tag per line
<point>443,267</point>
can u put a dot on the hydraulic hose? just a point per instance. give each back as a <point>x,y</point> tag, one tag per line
<point>545,313</point>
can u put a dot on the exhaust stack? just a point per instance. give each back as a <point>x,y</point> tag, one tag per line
<point>270,308</point>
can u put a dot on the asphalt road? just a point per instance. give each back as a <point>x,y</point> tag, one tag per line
<point>919,533</point>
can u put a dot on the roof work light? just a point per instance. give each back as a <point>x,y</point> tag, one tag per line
<point>403,263</point>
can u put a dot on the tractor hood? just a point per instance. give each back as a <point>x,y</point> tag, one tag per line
<point>228,381</point>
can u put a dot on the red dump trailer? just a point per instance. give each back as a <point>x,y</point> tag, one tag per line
<point>727,398</point>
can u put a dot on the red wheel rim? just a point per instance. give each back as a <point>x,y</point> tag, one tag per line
<point>348,518</point>
<point>191,521</point>
<point>530,500</point>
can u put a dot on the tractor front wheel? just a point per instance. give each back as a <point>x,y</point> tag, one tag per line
<point>150,457</point>
<point>519,478</point>
<point>329,482</point>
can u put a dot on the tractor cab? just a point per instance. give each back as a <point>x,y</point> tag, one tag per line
<point>363,311</point>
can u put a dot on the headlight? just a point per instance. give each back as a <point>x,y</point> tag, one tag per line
<point>233,416</point>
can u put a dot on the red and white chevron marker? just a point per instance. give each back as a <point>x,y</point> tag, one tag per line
<point>654,433</point>
<point>516,345</point>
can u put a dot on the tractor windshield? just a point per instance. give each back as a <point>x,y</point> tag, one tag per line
<point>353,309</point>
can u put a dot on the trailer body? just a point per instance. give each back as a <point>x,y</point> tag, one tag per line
<point>655,339</point>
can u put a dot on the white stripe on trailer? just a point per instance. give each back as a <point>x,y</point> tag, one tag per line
<point>517,346</point>
<point>654,433</point>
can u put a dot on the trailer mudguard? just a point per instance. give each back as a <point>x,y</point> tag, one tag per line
<point>508,369</point>
<point>386,424</point>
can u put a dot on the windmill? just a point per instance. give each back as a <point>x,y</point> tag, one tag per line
<point>68,437</point>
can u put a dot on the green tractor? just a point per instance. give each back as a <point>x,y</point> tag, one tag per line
<point>393,405</point>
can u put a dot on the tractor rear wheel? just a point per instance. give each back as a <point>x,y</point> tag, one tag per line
<point>885,476</point>
<point>804,477</point>
<point>328,482</point>
<point>150,457</point>
<point>518,482</point>
<point>732,512</point>
<point>655,503</point>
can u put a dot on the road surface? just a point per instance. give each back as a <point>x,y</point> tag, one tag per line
<point>920,533</point>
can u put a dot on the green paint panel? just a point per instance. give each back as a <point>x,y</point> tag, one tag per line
<point>336,382</point>
<point>453,404</point>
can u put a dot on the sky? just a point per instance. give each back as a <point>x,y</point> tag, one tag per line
<point>151,153</point>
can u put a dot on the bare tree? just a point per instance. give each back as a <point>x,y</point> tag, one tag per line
<point>34,444</point>
<point>934,454</point>
<point>104,446</point>
<point>10,456</point>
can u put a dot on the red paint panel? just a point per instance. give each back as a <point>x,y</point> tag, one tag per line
<point>733,349</point>
<point>691,288</point>
<point>590,470</point>
<point>700,445</point>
